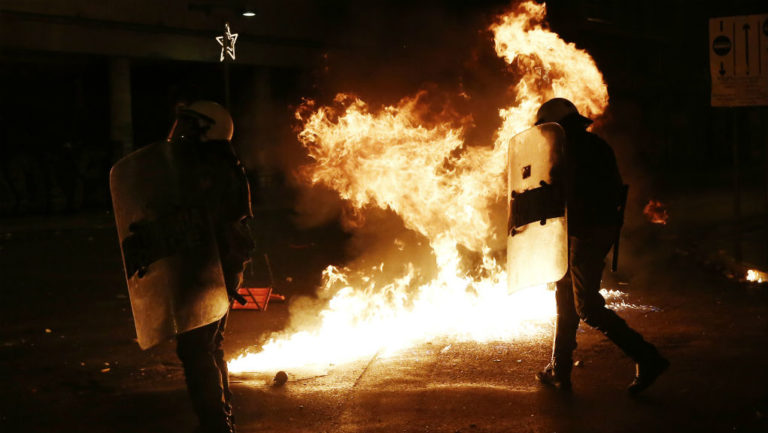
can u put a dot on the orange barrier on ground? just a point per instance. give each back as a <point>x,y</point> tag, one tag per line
<point>257,298</point>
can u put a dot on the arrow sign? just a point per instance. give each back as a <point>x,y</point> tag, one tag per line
<point>738,60</point>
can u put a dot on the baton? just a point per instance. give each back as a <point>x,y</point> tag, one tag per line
<point>622,206</point>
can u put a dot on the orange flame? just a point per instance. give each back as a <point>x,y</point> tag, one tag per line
<point>389,160</point>
<point>756,276</point>
<point>550,68</point>
<point>447,192</point>
<point>656,212</point>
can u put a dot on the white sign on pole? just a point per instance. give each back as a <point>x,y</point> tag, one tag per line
<point>738,60</point>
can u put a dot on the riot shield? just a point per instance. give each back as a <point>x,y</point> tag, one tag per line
<point>537,231</point>
<point>170,256</point>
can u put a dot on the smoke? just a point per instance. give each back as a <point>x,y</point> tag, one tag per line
<point>623,128</point>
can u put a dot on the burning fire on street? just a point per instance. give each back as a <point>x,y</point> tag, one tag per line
<point>755,276</point>
<point>446,279</point>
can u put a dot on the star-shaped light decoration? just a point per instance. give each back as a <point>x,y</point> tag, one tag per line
<point>227,42</point>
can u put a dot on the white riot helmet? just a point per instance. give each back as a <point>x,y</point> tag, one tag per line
<point>205,119</point>
<point>558,109</point>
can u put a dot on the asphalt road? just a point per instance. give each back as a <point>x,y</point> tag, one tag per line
<point>70,362</point>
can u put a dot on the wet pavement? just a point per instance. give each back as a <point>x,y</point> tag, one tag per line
<point>71,362</point>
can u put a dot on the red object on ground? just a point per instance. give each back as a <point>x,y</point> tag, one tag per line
<point>257,298</point>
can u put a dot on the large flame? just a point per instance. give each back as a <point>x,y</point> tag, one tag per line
<point>419,168</point>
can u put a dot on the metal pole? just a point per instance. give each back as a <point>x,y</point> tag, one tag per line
<point>227,99</point>
<point>764,113</point>
<point>736,186</point>
<point>121,124</point>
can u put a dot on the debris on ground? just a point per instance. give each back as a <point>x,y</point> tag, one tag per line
<point>280,378</point>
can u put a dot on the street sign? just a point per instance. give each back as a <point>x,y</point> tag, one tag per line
<point>738,60</point>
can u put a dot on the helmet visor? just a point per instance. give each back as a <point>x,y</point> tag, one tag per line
<point>189,124</point>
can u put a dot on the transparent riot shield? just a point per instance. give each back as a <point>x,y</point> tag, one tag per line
<point>537,231</point>
<point>170,256</point>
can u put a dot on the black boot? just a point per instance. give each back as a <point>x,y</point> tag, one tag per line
<point>216,423</point>
<point>649,364</point>
<point>647,371</point>
<point>557,374</point>
<point>220,429</point>
<point>226,391</point>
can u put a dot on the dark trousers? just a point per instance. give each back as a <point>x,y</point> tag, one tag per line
<point>206,373</point>
<point>578,298</point>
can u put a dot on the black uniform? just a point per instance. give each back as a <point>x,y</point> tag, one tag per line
<point>593,194</point>
<point>227,198</point>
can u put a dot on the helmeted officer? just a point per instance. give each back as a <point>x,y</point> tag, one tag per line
<point>208,127</point>
<point>180,207</point>
<point>593,192</point>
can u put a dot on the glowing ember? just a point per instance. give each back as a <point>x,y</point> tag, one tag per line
<point>656,212</point>
<point>617,300</point>
<point>755,276</point>
<point>442,278</point>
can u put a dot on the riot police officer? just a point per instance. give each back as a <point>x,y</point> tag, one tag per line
<point>593,193</point>
<point>208,126</point>
<point>180,207</point>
